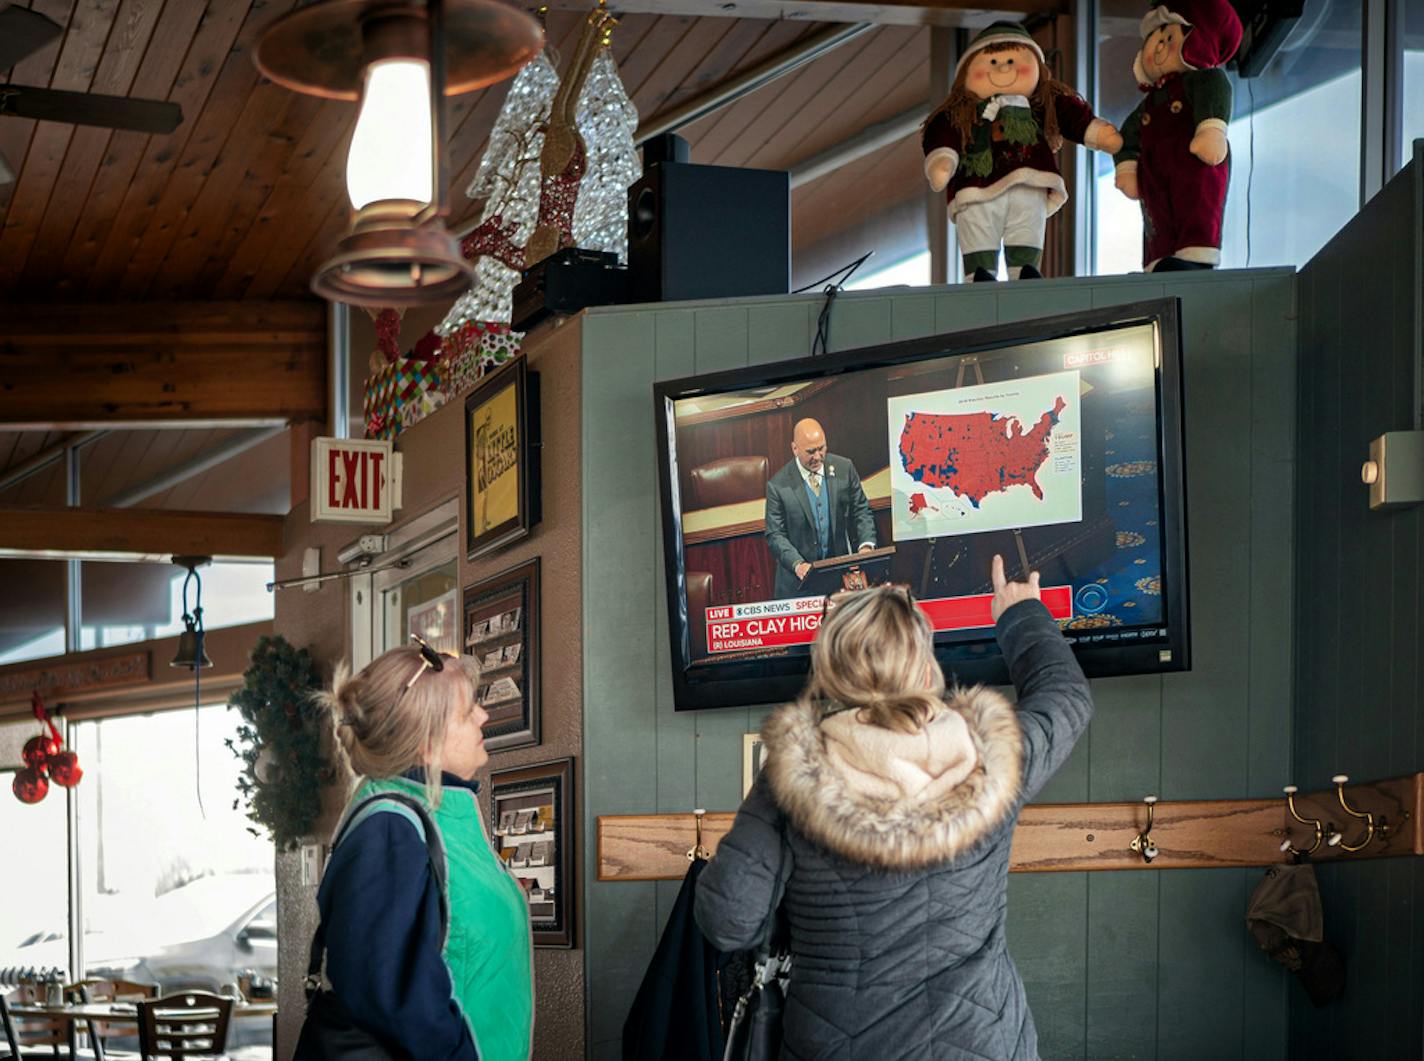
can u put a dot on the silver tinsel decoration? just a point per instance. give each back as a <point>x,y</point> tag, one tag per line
<point>608,120</point>
<point>508,177</point>
<point>508,182</point>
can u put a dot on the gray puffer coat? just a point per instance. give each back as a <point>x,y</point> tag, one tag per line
<point>892,852</point>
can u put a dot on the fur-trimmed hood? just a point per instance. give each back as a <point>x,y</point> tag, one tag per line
<point>897,800</point>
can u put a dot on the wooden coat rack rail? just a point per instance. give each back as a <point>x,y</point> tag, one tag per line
<point>1384,819</point>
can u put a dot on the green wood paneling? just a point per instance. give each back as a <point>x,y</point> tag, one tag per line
<point>1361,582</point>
<point>1104,957</point>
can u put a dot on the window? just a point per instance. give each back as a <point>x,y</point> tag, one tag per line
<point>1290,191</point>
<point>175,889</point>
<point>126,602</point>
<point>914,271</point>
<point>32,609</point>
<point>33,923</point>
<point>1413,77</point>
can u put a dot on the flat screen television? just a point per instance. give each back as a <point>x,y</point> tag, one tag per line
<point>1056,443</point>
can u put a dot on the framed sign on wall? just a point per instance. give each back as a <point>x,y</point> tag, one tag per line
<point>531,827</point>
<point>501,459</point>
<point>502,633</point>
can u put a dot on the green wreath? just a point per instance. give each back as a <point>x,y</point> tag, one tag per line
<point>280,742</point>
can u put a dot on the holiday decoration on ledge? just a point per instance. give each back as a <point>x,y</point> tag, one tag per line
<point>404,391</point>
<point>516,190</point>
<point>1173,158</point>
<point>992,144</point>
<point>46,759</point>
<point>280,742</point>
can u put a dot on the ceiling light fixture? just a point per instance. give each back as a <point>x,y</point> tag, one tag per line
<point>399,58</point>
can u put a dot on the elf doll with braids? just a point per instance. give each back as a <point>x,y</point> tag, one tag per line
<point>1174,155</point>
<point>992,144</point>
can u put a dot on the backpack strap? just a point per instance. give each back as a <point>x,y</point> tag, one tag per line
<point>434,846</point>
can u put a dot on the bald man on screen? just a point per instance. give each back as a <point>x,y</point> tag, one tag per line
<point>815,509</point>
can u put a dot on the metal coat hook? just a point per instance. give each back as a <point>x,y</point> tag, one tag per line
<point>1314,823</point>
<point>1143,843</point>
<point>1340,781</point>
<point>697,851</point>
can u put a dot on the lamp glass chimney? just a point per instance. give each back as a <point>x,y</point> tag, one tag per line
<point>391,156</point>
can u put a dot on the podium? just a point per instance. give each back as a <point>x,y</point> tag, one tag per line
<point>849,572</point>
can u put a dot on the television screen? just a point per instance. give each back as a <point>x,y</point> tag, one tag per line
<point>1056,443</point>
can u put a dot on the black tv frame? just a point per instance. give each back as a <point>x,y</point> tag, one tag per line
<point>773,679</point>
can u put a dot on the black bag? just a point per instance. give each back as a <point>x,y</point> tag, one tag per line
<point>755,1031</point>
<point>328,1032</point>
<point>755,1034</point>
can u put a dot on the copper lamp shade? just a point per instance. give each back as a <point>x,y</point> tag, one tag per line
<point>397,251</point>
<point>322,50</point>
<point>389,258</point>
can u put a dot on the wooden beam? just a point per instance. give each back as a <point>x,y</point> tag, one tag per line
<point>65,365</point>
<point>967,13</point>
<point>136,533</point>
<point>1199,834</point>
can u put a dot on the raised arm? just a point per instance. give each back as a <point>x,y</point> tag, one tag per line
<point>739,891</point>
<point>1055,703</point>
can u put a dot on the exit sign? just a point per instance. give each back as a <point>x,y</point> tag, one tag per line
<point>354,480</point>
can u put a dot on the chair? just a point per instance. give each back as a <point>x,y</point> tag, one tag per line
<point>727,482</point>
<point>95,989</point>
<point>699,597</point>
<point>24,1035</point>
<point>191,1024</point>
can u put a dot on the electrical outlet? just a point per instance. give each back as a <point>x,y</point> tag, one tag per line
<point>311,567</point>
<point>310,855</point>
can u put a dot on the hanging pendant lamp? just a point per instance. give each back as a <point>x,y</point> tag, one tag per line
<point>399,58</point>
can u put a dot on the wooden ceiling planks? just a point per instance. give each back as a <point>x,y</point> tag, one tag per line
<point>761,118</point>
<point>79,57</point>
<point>232,24</point>
<point>231,107</point>
<point>247,197</point>
<point>119,64</point>
<point>123,150</point>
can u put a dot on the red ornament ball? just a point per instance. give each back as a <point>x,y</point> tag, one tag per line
<point>37,752</point>
<point>64,769</point>
<point>29,785</point>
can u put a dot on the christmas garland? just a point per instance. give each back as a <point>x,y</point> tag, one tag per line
<point>280,742</point>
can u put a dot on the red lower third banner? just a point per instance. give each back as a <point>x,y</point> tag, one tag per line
<point>777,624</point>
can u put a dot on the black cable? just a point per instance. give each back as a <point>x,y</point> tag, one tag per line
<point>823,322</point>
<point>849,271</point>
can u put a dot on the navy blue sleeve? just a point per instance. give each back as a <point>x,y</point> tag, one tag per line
<point>381,909</point>
<point>1055,701</point>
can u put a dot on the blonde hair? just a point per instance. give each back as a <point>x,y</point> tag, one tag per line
<point>875,653</point>
<point>385,729</point>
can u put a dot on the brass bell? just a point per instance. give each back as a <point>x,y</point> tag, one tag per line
<point>191,654</point>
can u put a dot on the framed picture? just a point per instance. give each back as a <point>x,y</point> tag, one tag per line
<point>753,759</point>
<point>502,633</point>
<point>501,459</point>
<point>531,827</point>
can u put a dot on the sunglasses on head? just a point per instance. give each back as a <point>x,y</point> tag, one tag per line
<point>430,659</point>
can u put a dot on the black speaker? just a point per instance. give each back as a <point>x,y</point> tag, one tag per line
<point>708,232</point>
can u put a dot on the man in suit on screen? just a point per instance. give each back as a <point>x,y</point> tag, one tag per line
<point>815,508</point>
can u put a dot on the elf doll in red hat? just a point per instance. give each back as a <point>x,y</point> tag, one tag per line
<point>992,143</point>
<point>1174,154</point>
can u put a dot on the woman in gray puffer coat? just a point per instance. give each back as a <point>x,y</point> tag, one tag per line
<point>883,818</point>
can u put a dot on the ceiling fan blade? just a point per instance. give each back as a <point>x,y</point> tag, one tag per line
<point>23,32</point>
<point>90,108</point>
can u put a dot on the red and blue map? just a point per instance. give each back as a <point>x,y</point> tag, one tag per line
<point>975,454</point>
